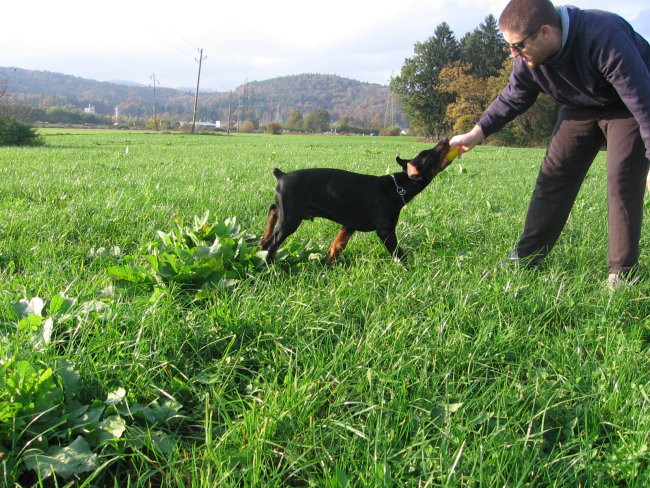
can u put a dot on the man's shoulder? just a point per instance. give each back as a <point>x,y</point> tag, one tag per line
<point>591,30</point>
<point>594,18</point>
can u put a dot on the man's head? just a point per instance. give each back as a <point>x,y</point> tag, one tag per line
<point>532,29</point>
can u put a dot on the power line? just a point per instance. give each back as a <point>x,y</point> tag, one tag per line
<point>185,39</point>
<point>183,51</point>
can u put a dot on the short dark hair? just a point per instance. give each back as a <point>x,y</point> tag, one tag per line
<point>524,16</point>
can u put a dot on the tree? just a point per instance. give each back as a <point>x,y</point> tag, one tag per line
<point>377,122</point>
<point>295,121</point>
<point>484,49</point>
<point>343,124</point>
<point>12,132</point>
<point>4,84</point>
<point>318,121</point>
<point>63,115</point>
<point>534,127</point>
<point>417,85</point>
<point>469,92</point>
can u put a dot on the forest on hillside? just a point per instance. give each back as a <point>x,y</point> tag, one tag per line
<point>261,101</point>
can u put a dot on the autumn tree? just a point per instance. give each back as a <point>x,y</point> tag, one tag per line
<point>473,94</point>
<point>377,122</point>
<point>417,85</point>
<point>469,92</point>
<point>273,128</point>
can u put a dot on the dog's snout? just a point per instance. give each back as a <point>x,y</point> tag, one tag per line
<point>413,172</point>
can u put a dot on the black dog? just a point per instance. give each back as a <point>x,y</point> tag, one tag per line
<point>358,202</point>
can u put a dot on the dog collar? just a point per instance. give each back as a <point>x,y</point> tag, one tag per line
<point>400,191</point>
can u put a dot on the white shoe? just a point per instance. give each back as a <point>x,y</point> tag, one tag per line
<point>618,281</point>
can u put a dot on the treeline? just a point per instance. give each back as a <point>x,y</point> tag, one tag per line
<point>262,102</point>
<point>445,87</point>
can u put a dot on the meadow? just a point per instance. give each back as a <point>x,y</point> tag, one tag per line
<point>455,372</point>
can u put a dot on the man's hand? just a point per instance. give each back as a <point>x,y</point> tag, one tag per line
<point>465,142</point>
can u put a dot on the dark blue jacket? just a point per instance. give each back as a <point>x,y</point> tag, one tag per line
<point>603,62</point>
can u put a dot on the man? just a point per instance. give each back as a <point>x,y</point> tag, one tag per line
<point>597,68</point>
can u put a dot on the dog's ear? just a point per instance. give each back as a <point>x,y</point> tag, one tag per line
<point>402,162</point>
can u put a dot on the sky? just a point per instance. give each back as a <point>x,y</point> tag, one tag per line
<point>242,40</point>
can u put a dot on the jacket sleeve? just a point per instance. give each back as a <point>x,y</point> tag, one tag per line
<point>620,60</point>
<point>517,97</point>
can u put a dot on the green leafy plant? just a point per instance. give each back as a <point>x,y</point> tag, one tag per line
<point>295,254</point>
<point>200,256</point>
<point>204,256</point>
<point>44,426</point>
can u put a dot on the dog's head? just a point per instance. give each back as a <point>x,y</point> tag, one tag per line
<point>425,166</point>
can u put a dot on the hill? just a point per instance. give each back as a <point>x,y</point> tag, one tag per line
<point>264,101</point>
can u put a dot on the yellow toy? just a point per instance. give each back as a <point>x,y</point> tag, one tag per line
<point>452,154</point>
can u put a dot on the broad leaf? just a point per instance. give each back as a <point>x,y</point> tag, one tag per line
<point>69,377</point>
<point>76,458</point>
<point>109,429</point>
<point>30,307</point>
<point>132,274</point>
<point>59,304</point>
<point>115,397</point>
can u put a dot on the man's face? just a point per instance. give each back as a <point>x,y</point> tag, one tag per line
<point>532,46</point>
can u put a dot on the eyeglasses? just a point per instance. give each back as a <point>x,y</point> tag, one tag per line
<point>518,46</point>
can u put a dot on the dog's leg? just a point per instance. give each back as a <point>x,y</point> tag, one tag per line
<point>389,238</point>
<point>273,218</point>
<point>339,243</point>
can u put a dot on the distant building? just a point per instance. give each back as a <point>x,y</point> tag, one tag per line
<point>216,124</point>
<point>90,109</point>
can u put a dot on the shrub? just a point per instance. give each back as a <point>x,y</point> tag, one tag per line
<point>13,133</point>
<point>391,131</point>
<point>248,126</point>
<point>274,128</point>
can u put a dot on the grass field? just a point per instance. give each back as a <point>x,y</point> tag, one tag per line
<point>454,373</point>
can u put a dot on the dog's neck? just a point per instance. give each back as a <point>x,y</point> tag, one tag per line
<point>405,188</point>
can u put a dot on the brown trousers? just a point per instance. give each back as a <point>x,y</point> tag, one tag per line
<point>578,136</point>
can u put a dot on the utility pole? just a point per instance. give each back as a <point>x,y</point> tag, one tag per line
<point>153,77</point>
<point>229,110</point>
<point>196,95</point>
<point>389,113</point>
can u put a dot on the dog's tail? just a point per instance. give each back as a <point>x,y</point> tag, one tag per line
<point>277,172</point>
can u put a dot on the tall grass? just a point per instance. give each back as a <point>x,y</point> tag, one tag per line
<point>456,372</point>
